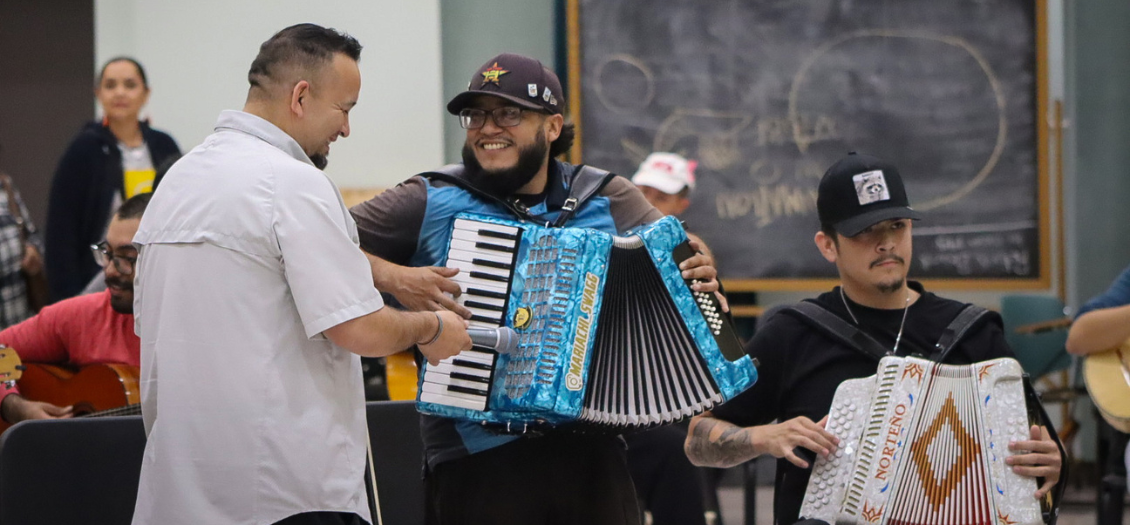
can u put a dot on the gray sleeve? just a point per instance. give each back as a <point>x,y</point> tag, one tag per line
<point>627,204</point>
<point>388,225</point>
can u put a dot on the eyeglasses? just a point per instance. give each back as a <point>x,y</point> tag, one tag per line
<point>103,256</point>
<point>504,117</point>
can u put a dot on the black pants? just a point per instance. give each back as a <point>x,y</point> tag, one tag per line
<point>666,481</point>
<point>323,518</point>
<point>564,479</point>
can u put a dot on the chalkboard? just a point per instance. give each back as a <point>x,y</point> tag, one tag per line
<point>767,94</point>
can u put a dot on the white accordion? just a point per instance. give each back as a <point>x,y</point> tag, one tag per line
<point>923,443</point>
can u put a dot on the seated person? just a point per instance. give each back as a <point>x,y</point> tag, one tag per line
<point>866,232</point>
<point>1104,323</point>
<point>83,330</point>
<point>666,180</point>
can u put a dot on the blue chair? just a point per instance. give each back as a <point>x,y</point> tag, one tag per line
<point>1040,352</point>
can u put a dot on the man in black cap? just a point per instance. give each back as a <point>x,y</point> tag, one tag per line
<point>865,230</point>
<point>513,113</point>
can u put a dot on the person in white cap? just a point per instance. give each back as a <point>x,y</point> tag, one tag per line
<point>666,179</point>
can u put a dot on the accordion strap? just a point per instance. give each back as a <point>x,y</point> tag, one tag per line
<point>832,325</point>
<point>956,331</point>
<point>586,182</point>
<point>849,334</point>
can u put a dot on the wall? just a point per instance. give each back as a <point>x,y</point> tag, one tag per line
<point>46,64</point>
<point>197,55</point>
<point>1099,51</point>
<point>475,31</point>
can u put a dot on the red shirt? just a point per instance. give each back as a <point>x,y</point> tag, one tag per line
<point>78,331</point>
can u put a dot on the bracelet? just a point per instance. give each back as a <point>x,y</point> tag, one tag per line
<point>439,331</point>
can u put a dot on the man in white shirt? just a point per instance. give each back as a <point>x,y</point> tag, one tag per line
<point>253,301</point>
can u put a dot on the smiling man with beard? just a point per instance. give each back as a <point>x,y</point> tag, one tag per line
<point>85,330</point>
<point>512,112</point>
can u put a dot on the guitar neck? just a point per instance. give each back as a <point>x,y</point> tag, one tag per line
<point>128,410</point>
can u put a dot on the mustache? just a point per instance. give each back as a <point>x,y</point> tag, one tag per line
<point>886,258</point>
<point>121,284</point>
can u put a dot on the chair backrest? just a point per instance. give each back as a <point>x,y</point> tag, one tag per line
<point>398,456</point>
<point>86,470</point>
<point>1039,353</point>
<point>70,471</point>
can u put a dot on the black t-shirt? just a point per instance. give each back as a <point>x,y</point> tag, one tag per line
<point>800,368</point>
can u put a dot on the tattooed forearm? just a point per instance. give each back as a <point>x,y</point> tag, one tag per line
<point>712,442</point>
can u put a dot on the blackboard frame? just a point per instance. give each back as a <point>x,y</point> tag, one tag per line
<point>1041,281</point>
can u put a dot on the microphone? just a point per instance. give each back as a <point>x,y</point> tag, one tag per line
<point>503,339</point>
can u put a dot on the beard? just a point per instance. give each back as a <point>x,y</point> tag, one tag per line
<point>891,287</point>
<point>320,160</point>
<point>121,302</point>
<point>507,181</point>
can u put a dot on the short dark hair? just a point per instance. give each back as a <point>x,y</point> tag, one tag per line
<point>830,232</point>
<point>134,206</point>
<point>564,140</point>
<point>306,47</point>
<point>140,70</point>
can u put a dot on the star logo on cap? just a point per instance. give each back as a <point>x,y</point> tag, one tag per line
<point>492,73</point>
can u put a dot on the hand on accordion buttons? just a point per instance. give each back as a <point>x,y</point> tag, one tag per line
<point>701,267</point>
<point>450,339</point>
<point>429,289</point>
<point>1037,458</point>
<point>782,439</point>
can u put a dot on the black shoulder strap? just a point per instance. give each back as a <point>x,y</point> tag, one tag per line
<point>587,181</point>
<point>837,328</point>
<point>956,330</point>
<point>453,174</point>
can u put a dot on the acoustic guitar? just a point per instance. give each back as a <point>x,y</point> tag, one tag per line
<point>1107,375</point>
<point>94,390</point>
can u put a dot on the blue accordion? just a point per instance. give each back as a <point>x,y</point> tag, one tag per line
<point>610,334</point>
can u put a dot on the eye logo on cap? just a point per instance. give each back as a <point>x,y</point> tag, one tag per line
<point>871,187</point>
<point>492,74</point>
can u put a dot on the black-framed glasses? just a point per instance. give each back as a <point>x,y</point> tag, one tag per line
<point>103,256</point>
<point>504,117</point>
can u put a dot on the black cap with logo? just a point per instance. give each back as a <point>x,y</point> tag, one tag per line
<point>859,191</point>
<point>519,79</point>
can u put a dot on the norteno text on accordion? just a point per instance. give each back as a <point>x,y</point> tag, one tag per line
<point>923,443</point>
<point>609,332</point>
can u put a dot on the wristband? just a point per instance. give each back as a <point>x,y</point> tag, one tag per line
<point>439,331</point>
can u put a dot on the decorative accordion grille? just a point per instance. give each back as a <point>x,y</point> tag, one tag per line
<point>925,444</point>
<point>551,274</point>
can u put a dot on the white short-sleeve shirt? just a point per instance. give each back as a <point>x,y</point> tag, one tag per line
<point>246,255</point>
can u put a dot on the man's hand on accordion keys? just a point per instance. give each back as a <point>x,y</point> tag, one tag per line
<point>429,289</point>
<point>781,440</point>
<point>1037,458</point>
<point>701,267</point>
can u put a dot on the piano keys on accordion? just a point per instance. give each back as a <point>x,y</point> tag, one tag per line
<point>609,332</point>
<point>925,443</point>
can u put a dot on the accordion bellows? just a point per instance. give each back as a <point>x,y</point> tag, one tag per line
<point>610,334</point>
<point>925,444</point>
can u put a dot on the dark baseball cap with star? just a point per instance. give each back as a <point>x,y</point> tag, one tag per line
<point>859,191</point>
<point>516,78</point>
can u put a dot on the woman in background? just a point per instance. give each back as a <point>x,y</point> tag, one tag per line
<point>107,163</point>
